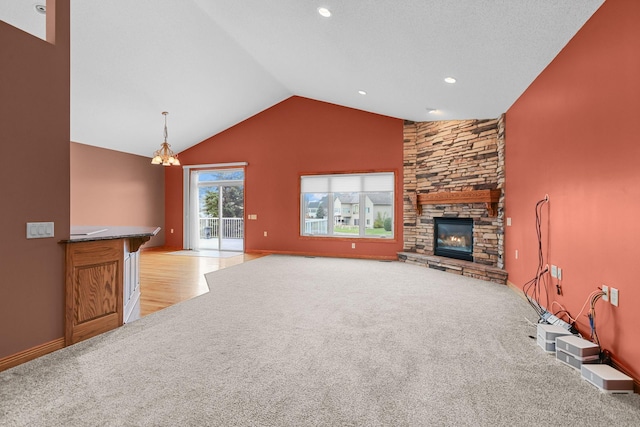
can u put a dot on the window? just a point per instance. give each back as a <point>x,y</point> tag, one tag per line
<point>347,205</point>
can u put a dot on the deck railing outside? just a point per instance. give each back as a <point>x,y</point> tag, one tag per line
<point>315,226</point>
<point>232,228</point>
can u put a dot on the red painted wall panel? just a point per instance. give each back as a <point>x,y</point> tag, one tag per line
<point>573,135</point>
<point>34,180</point>
<point>297,136</point>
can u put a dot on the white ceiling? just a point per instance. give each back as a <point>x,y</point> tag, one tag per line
<point>213,63</point>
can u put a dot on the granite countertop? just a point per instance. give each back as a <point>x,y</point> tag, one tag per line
<point>90,233</point>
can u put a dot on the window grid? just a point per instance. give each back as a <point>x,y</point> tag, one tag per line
<point>348,205</point>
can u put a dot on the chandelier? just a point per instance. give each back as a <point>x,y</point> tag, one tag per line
<point>164,156</point>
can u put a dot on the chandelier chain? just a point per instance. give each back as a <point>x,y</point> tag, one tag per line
<point>166,133</point>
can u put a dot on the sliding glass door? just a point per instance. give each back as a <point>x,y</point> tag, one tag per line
<point>217,210</point>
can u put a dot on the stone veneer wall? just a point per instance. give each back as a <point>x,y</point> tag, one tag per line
<point>450,156</point>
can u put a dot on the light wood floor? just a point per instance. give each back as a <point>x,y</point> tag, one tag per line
<point>167,279</point>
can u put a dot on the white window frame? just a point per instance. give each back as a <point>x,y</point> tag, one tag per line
<point>360,183</point>
<point>187,240</point>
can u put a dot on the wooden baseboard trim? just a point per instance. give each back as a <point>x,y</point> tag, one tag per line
<point>30,354</point>
<point>516,289</point>
<point>312,254</point>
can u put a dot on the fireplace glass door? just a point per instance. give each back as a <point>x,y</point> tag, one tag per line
<point>454,238</point>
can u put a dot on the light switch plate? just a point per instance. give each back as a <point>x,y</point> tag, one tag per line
<point>614,296</point>
<point>39,230</point>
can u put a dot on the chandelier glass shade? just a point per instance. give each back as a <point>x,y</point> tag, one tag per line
<point>165,156</point>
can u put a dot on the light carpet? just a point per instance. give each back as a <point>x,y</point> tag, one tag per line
<point>294,341</point>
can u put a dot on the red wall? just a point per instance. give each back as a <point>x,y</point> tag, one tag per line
<point>113,188</point>
<point>297,136</point>
<point>573,135</point>
<point>34,180</point>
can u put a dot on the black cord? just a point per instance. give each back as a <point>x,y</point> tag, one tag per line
<point>565,313</point>
<point>532,287</point>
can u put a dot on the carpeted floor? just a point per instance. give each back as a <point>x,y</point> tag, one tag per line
<point>294,341</point>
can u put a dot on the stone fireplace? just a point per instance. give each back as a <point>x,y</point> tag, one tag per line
<point>455,170</point>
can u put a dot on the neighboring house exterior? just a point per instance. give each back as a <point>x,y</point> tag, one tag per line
<point>317,205</point>
<point>346,208</point>
<point>312,209</point>
<point>382,203</point>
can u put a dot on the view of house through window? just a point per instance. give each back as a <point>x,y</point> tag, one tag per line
<point>347,205</point>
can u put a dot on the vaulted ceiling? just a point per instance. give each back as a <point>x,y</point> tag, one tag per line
<point>213,63</point>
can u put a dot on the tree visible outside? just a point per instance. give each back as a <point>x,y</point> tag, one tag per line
<point>320,212</point>
<point>381,221</point>
<point>233,203</point>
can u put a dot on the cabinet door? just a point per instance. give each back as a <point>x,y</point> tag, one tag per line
<point>94,274</point>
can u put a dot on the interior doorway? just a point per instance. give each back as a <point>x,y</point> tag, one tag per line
<point>217,210</point>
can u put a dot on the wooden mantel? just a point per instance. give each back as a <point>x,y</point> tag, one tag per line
<point>489,197</point>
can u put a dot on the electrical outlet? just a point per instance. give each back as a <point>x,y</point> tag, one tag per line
<point>554,271</point>
<point>614,297</point>
<point>605,289</point>
<point>265,234</point>
<point>516,254</point>
<point>508,221</point>
<point>353,246</point>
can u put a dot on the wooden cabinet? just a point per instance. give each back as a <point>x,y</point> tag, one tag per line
<point>94,276</point>
<point>102,283</point>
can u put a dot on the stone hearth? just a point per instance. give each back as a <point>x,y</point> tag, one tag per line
<point>456,266</point>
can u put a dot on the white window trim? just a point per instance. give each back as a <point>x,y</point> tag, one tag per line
<point>186,195</point>
<point>330,189</point>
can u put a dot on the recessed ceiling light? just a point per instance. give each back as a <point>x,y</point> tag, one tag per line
<point>362,92</point>
<point>323,11</point>
<point>40,8</point>
<point>449,80</point>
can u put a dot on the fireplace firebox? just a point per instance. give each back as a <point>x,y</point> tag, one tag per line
<point>453,238</point>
